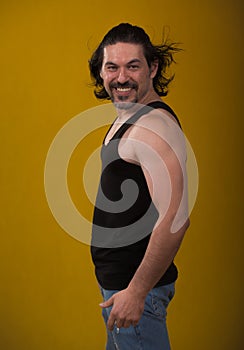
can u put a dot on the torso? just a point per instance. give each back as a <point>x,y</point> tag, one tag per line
<point>120,238</point>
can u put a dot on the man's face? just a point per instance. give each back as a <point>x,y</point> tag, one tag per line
<point>126,75</point>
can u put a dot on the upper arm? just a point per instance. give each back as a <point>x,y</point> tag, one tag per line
<point>159,148</point>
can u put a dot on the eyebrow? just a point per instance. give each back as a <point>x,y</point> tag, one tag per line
<point>135,60</point>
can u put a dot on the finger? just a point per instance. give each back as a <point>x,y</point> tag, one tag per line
<point>111,322</point>
<point>135,323</point>
<point>107,303</point>
<point>127,324</point>
<point>119,323</point>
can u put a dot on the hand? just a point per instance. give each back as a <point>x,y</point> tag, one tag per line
<point>126,311</point>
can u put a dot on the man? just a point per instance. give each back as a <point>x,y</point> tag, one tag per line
<point>140,216</point>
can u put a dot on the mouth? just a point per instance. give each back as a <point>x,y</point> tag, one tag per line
<point>122,92</point>
<point>123,89</point>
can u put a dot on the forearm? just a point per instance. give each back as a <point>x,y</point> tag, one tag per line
<point>161,250</point>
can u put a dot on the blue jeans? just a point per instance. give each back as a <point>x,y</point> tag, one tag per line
<point>151,331</point>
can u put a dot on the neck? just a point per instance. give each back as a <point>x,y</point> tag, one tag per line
<point>125,113</point>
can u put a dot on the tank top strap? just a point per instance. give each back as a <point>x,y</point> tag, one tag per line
<point>163,105</point>
<point>144,110</point>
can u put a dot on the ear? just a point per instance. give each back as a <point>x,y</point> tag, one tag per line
<point>153,69</point>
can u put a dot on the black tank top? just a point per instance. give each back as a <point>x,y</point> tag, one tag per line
<point>124,215</point>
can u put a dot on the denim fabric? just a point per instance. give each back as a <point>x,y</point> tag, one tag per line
<point>151,331</point>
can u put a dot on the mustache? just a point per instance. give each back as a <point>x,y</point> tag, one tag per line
<point>124,85</point>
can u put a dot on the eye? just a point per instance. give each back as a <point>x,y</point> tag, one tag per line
<point>133,67</point>
<point>111,68</point>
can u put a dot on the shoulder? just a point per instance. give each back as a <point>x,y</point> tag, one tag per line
<point>159,130</point>
<point>156,123</point>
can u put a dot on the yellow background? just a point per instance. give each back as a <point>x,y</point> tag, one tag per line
<point>48,294</point>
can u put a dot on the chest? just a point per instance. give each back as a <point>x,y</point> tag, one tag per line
<point>126,149</point>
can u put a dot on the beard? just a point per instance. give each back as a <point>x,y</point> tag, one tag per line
<point>121,102</point>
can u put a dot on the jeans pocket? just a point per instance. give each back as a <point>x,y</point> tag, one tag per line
<point>158,299</point>
<point>154,307</point>
<point>159,307</point>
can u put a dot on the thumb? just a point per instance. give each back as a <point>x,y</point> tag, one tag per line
<point>107,303</point>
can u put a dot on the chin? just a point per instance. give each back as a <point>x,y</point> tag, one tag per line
<point>124,104</point>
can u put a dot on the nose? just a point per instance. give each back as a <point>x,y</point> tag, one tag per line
<point>122,77</point>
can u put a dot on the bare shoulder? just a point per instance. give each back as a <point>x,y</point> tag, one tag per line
<point>157,125</point>
<point>156,131</point>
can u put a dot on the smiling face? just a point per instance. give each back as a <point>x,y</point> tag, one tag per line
<point>126,75</point>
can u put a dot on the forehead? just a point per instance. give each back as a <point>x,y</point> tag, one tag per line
<point>122,53</point>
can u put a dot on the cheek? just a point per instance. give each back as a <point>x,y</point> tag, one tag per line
<point>104,76</point>
<point>107,78</point>
<point>142,80</point>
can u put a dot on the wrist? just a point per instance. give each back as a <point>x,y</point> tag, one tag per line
<point>137,289</point>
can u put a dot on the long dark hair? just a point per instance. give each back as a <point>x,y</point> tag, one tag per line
<point>128,33</point>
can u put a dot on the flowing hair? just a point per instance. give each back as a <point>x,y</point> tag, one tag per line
<point>127,33</point>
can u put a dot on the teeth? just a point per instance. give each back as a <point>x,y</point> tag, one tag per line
<point>123,89</point>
